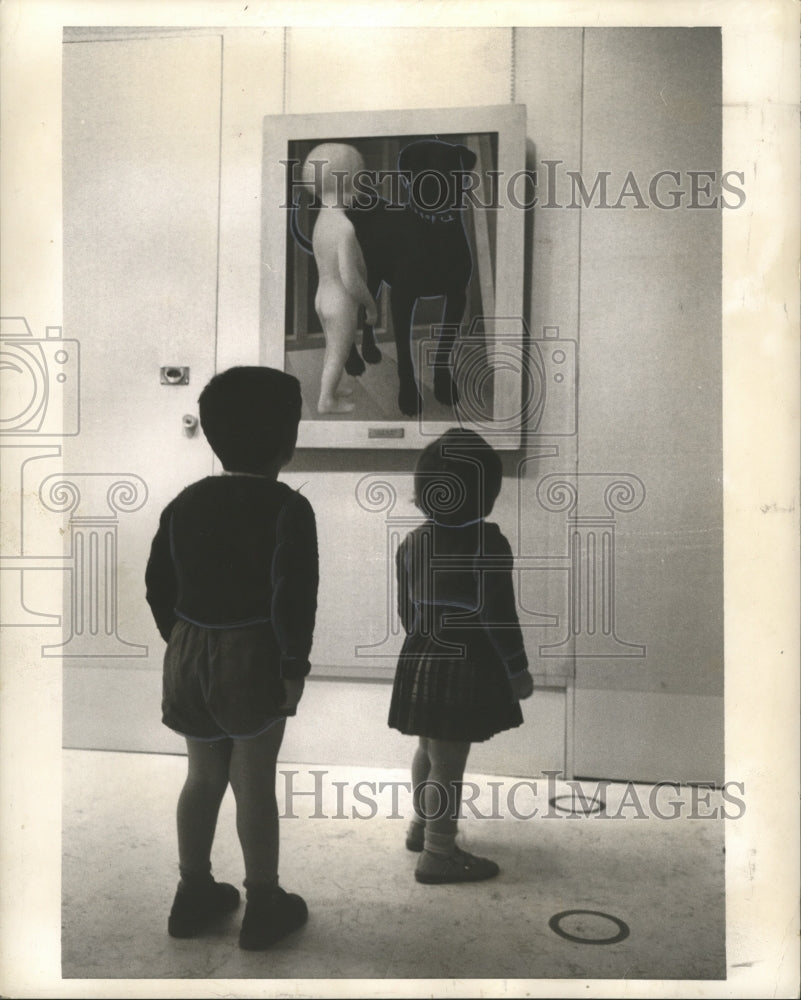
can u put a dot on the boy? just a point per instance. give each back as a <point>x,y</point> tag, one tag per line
<point>232,583</point>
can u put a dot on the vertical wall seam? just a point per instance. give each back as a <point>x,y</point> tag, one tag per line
<point>580,230</point>
<point>513,66</point>
<point>285,81</point>
<point>570,728</point>
<point>219,208</point>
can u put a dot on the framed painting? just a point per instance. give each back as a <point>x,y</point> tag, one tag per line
<point>392,273</point>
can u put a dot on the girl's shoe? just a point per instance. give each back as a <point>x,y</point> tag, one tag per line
<point>437,869</point>
<point>269,917</point>
<point>196,907</point>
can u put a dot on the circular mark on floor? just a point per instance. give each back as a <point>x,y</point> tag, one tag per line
<point>555,923</point>
<point>578,806</point>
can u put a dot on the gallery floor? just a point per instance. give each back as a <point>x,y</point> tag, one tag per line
<point>646,872</point>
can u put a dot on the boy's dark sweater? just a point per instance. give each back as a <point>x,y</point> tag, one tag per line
<point>233,551</point>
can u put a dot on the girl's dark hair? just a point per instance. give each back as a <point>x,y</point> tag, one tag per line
<point>250,416</point>
<point>458,478</point>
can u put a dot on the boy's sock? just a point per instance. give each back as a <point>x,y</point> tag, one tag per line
<point>196,879</point>
<point>199,901</point>
<point>271,913</point>
<point>260,889</point>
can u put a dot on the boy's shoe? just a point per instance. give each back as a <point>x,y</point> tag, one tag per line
<point>194,909</point>
<point>415,837</point>
<point>270,917</point>
<point>437,869</point>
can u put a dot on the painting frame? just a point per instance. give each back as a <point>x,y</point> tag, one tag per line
<point>491,346</point>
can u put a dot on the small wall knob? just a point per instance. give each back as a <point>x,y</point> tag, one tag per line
<point>190,424</point>
<point>174,375</point>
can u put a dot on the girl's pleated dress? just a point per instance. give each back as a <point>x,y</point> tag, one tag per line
<point>463,640</point>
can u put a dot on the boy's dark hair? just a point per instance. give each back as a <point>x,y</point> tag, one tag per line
<point>250,416</point>
<point>458,478</point>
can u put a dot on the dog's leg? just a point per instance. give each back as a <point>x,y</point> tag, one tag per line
<point>354,365</point>
<point>370,350</point>
<point>410,401</point>
<point>371,353</point>
<point>445,390</point>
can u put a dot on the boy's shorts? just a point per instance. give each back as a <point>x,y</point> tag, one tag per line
<point>221,682</point>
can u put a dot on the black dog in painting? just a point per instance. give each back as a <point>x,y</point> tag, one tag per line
<point>419,250</point>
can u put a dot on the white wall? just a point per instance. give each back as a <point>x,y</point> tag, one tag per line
<point>637,290</point>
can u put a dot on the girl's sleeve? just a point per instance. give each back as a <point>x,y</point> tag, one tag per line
<point>405,606</point>
<point>161,588</point>
<point>498,610</point>
<point>295,579</point>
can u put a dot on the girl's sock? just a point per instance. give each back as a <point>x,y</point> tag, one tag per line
<point>440,843</point>
<point>415,835</point>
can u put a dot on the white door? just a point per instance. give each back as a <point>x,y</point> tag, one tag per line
<point>141,153</point>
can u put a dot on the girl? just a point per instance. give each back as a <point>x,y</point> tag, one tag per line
<point>232,583</point>
<point>462,668</point>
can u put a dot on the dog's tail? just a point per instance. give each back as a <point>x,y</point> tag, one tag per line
<point>294,227</point>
